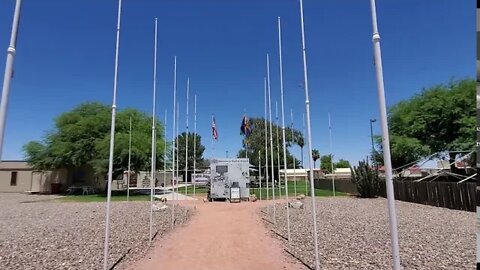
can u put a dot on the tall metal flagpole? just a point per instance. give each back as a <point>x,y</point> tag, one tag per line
<point>174,179</point>
<point>278,152</point>
<point>165,154</point>
<point>11,51</point>
<point>260,173</point>
<point>212,134</point>
<point>309,135</point>
<point>385,140</point>
<point>178,143</point>
<point>303,166</point>
<point>283,128</point>
<point>129,159</point>
<point>194,143</point>
<point>294,161</point>
<point>154,136</point>
<point>331,154</point>
<point>266,136</point>
<point>186,141</point>
<point>271,139</point>
<point>112,141</point>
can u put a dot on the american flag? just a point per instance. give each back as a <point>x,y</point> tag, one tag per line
<point>214,129</point>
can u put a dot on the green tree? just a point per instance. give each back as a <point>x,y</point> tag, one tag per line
<point>300,142</point>
<point>256,142</point>
<point>441,118</point>
<point>181,140</point>
<point>81,137</point>
<point>315,156</point>
<point>342,163</point>
<point>326,163</point>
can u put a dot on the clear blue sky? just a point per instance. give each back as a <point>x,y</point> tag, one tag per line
<point>65,56</point>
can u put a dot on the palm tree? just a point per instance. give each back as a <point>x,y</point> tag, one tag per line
<point>315,156</point>
<point>301,143</point>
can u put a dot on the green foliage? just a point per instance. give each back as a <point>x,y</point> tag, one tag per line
<point>181,139</point>
<point>326,163</point>
<point>438,119</point>
<point>82,137</point>
<point>315,156</point>
<point>256,142</point>
<point>342,163</point>
<point>366,180</point>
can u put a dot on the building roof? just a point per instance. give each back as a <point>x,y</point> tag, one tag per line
<point>15,165</point>
<point>343,171</point>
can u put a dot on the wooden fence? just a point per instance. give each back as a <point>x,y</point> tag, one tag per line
<point>442,194</point>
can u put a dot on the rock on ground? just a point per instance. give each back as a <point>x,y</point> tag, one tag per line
<point>354,234</point>
<point>39,233</point>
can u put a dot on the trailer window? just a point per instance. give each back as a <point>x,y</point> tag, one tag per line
<point>221,169</point>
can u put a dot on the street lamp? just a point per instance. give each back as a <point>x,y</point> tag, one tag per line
<point>373,145</point>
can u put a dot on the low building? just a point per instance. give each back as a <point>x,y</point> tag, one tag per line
<point>300,174</point>
<point>19,176</point>
<point>340,173</point>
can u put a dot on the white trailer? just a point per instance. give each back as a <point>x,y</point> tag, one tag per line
<point>229,179</point>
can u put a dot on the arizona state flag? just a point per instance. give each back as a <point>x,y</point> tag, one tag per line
<point>245,127</point>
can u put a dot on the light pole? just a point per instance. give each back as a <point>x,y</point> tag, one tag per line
<point>373,146</point>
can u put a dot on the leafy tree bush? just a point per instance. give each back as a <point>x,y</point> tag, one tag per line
<point>81,137</point>
<point>366,180</point>
<point>440,118</point>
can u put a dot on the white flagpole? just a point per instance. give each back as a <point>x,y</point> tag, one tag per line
<point>112,141</point>
<point>173,137</point>
<point>283,129</point>
<point>11,51</point>
<point>186,140</point>
<point>165,154</point>
<point>260,173</point>
<point>194,143</point>
<point>331,154</point>
<point>154,136</point>
<point>266,137</point>
<point>129,159</point>
<point>278,151</point>
<point>303,156</point>
<point>213,125</point>
<point>271,139</point>
<point>294,165</point>
<point>385,140</point>
<point>178,144</point>
<point>309,135</point>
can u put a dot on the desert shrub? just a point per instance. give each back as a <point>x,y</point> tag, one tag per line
<point>366,180</point>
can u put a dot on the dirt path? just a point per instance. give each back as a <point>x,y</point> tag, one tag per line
<point>220,236</point>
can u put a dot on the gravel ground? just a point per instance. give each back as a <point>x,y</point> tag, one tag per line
<point>37,232</point>
<point>354,234</point>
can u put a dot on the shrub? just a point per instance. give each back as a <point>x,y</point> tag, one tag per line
<point>366,180</point>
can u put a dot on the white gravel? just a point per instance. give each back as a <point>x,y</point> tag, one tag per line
<point>37,232</point>
<point>354,234</point>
